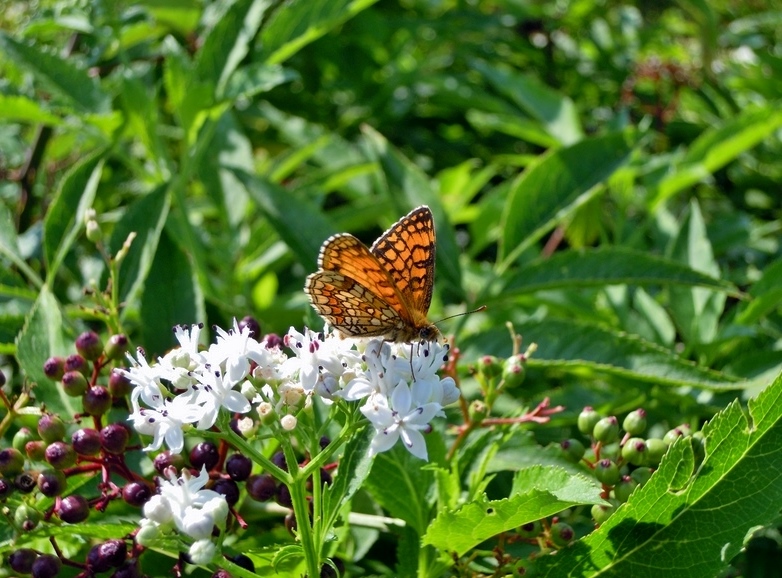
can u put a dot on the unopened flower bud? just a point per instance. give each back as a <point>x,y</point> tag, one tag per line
<point>489,367</point>
<point>93,230</point>
<point>513,371</point>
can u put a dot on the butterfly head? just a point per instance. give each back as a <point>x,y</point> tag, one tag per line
<point>429,332</point>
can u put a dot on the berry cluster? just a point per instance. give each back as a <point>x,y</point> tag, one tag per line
<point>620,459</point>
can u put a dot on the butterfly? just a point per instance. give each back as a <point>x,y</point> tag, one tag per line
<point>384,291</point>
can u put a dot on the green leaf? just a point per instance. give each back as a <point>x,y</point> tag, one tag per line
<point>354,467</point>
<point>228,43</point>
<point>607,266</point>
<point>145,218</point>
<point>513,125</point>
<point>406,181</point>
<point>41,338</point>
<point>257,77</point>
<point>171,297</point>
<point>61,76</point>
<point>556,112</point>
<point>766,295</point>
<point>572,346</point>
<point>303,22</point>
<point>554,187</point>
<point>402,485</point>
<point>698,512</point>
<point>716,147</point>
<point>696,311</point>
<point>22,109</point>
<point>299,223</point>
<point>538,492</point>
<point>65,217</point>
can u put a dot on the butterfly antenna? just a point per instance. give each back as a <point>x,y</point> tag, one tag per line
<point>479,309</point>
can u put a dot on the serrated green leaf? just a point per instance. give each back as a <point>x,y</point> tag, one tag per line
<point>61,76</point>
<point>65,217</point>
<point>178,300</point>
<point>570,345</point>
<point>406,181</point>
<point>608,266</point>
<point>303,22</point>
<point>537,492</point>
<point>554,187</point>
<point>694,518</point>
<point>42,337</point>
<point>401,484</point>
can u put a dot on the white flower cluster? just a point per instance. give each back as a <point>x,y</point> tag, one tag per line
<point>184,504</point>
<point>398,382</point>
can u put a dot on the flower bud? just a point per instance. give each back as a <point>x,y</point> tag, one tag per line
<point>489,367</point>
<point>606,430</point>
<point>478,411</point>
<point>587,420</point>
<point>93,231</point>
<point>635,422</point>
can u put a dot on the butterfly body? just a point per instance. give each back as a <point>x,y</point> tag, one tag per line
<point>384,291</point>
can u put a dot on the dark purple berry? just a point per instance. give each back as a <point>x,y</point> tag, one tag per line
<point>205,455</point>
<point>6,488</point>
<point>73,509</point>
<point>166,460</point>
<point>136,493</point>
<point>252,324</point>
<point>97,400</point>
<point>324,442</point>
<point>229,489</point>
<point>21,561</point>
<point>243,562</point>
<point>46,566</point>
<point>261,488</point>
<point>114,438</point>
<point>278,459</point>
<point>51,482</point>
<point>272,340</point>
<point>54,368</point>
<point>119,384</point>
<point>103,557</point>
<point>86,441</point>
<point>129,569</point>
<point>238,467</point>
<point>283,496</point>
<point>60,455</point>
<point>76,362</point>
<point>24,482</point>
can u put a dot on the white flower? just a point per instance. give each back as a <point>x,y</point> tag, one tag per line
<point>288,422</point>
<point>202,551</point>
<point>400,417</point>
<point>380,376</point>
<point>165,422</point>
<point>314,354</point>
<point>216,391</point>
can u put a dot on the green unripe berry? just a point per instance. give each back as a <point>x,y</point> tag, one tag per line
<point>23,436</point>
<point>624,488</point>
<point>478,411</point>
<point>655,450</point>
<point>561,534</point>
<point>607,472</point>
<point>635,422</point>
<point>35,450</point>
<point>699,445</point>
<point>116,346</point>
<point>601,513</point>
<point>489,367</point>
<point>11,462</point>
<point>634,451</point>
<point>513,372</point>
<point>74,384</point>
<point>530,529</point>
<point>587,420</point>
<point>611,451</point>
<point>641,475</point>
<point>606,430</point>
<point>51,428</point>
<point>572,449</point>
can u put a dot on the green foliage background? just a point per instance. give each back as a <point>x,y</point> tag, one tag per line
<point>604,176</point>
